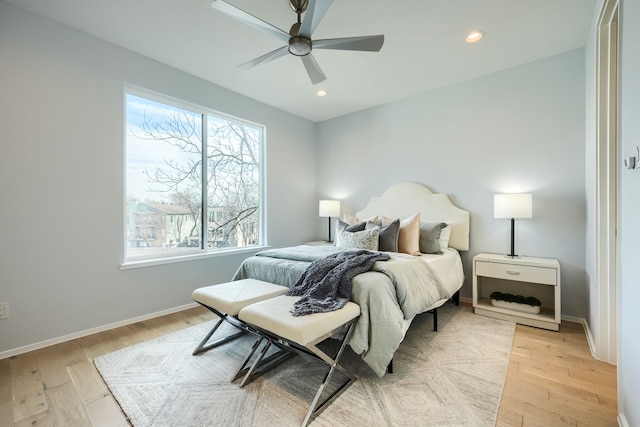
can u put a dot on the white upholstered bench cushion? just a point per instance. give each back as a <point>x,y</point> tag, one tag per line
<point>274,315</point>
<point>231,297</point>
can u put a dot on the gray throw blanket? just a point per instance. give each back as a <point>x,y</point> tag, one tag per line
<point>326,283</point>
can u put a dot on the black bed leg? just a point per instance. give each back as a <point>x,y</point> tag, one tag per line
<point>390,367</point>
<point>435,320</point>
<point>456,298</point>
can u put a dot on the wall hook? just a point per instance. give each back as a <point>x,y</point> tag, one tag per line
<point>632,162</point>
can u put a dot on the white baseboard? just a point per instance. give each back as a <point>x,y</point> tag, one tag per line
<point>587,331</point>
<point>622,421</point>
<point>466,300</point>
<point>590,340</point>
<point>573,319</point>
<point>80,334</point>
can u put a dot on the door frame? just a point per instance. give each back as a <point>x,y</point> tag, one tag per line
<point>607,60</point>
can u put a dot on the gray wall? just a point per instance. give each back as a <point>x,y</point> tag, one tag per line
<point>629,215</point>
<point>522,129</point>
<point>62,174</point>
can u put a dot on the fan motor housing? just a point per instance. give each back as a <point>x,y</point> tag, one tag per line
<point>299,46</point>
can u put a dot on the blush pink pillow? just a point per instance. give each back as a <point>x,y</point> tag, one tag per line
<point>409,236</point>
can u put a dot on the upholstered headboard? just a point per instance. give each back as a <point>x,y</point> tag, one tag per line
<point>403,200</point>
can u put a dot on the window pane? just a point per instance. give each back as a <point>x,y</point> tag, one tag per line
<point>233,182</point>
<point>169,186</point>
<point>164,178</point>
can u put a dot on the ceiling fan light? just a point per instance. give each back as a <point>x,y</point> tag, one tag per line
<point>299,46</point>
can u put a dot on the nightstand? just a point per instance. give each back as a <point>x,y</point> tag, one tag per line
<point>526,276</point>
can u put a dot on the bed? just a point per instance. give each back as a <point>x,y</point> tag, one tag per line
<point>393,292</point>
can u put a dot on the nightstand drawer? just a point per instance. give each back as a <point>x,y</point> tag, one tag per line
<point>521,273</point>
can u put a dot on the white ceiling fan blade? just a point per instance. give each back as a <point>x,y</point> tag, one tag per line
<point>312,17</point>
<point>365,43</point>
<point>268,57</point>
<point>249,19</point>
<point>313,69</point>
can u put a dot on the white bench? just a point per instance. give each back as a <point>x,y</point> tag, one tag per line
<point>272,318</point>
<point>226,300</point>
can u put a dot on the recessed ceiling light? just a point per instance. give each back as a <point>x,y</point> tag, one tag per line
<point>321,92</point>
<point>474,36</point>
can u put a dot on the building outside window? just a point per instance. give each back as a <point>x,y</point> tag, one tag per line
<point>183,160</point>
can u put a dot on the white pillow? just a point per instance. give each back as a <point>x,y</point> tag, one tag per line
<point>366,239</point>
<point>445,235</point>
<point>352,219</point>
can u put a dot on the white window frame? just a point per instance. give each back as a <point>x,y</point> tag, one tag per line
<point>203,251</point>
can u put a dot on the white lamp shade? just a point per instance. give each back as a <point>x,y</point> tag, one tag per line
<point>512,206</point>
<point>329,208</point>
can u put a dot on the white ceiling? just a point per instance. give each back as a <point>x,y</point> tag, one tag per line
<point>424,43</point>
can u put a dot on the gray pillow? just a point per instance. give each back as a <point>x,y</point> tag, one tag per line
<point>388,236</point>
<point>430,237</point>
<point>343,226</point>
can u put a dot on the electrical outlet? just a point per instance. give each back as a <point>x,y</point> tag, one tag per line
<point>4,310</point>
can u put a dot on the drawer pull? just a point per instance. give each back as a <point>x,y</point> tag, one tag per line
<point>513,273</point>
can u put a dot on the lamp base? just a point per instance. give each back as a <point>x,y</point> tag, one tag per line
<point>512,254</point>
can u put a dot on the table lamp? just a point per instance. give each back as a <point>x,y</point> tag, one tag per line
<point>512,206</point>
<point>329,208</point>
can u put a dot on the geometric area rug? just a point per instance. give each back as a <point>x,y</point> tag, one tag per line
<point>453,377</point>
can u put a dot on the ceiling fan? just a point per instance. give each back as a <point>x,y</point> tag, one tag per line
<point>298,39</point>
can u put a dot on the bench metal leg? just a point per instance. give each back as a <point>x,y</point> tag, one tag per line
<point>203,347</point>
<point>290,348</point>
<point>317,407</point>
<point>261,364</point>
<point>241,370</point>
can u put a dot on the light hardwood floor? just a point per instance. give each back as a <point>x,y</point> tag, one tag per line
<point>552,379</point>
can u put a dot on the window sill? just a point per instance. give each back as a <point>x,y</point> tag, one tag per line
<point>129,265</point>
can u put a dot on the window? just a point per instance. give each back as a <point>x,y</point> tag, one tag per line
<point>193,179</point>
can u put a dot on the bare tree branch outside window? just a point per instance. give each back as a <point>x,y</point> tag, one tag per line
<point>165,147</point>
